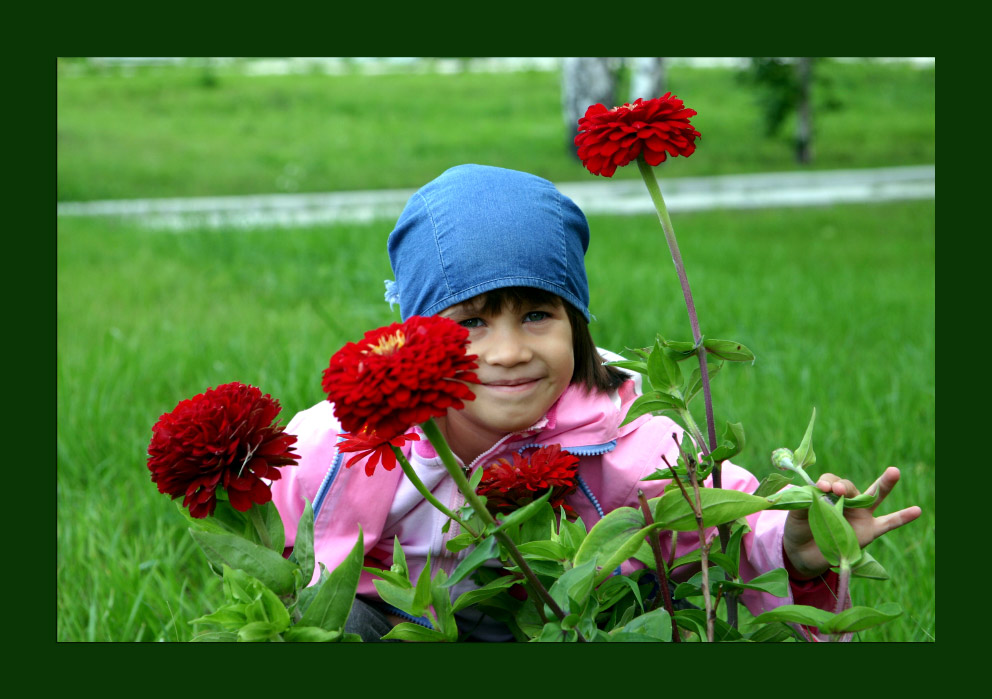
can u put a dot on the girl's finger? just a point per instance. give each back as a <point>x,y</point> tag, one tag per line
<point>884,485</point>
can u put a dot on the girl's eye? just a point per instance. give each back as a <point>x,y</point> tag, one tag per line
<point>471,323</point>
<point>535,316</point>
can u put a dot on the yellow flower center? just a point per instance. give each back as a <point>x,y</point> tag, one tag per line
<point>388,344</point>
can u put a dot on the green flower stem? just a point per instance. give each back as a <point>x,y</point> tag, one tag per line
<point>255,515</point>
<point>651,182</point>
<point>428,495</point>
<point>448,459</point>
<point>647,173</point>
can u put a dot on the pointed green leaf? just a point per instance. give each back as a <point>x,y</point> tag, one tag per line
<point>311,634</point>
<point>539,527</point>
<point>572,533</point>
<point>798,614</point>
<point>695,620</point>
<point>683,350</point>
<point>274,571</point>
<point>330,607</point>
<point>664,373</point>
<point>479,594</point>
<point>729,350</point>
<point>861,618</point>
<point>258,631</point>
<point>483,552</point>
<point>444,615</point>
<point>734,547</point>
<point>771,484</point>
<point>863,500</point>
<point>772,633</point>
<point>833,534</point>
<point>273,526</point>
<point>231,616</point>
<point>650,402</point>
<point>547,550</point>
<point>718,506</point>
<point>608,533</point>
<point>303,545</point>
<point>460,542</point>
<point>572,589</point>
<point>630,365</point>
<point>415,633</point>
<point>804,454</point>
<point>731,443</point>
<point>399,560</point>
<point>655,624</point>
<point>774,582</point>
<point>422,590</point>
<point>216,637</point>
<point>476,478</point>
<point>793,498</point>
<point>868,567</point>
<point>521,515</point>
<point>695,382</point>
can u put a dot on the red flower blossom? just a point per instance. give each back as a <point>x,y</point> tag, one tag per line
<point>400,375</point>
<point>376,446</point>
<point>222,438</point>
<point>508,486</point>
<point>612,138</point>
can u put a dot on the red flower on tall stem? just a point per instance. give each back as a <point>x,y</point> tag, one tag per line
<point>400,375</point>
<point>612,138</point>
<point>224,439</point>
<point>508,486</point>
<point>377,447</point>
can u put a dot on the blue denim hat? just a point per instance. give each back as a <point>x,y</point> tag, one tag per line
<point>477,228</point>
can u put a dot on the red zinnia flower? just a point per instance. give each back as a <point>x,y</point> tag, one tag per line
<point>612,138</point>
<point>222,438</point>
<point>400,375</point>
<point>371,443</point>
<point>509,486</point>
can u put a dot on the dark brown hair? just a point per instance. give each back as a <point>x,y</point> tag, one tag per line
<point>589,369</point>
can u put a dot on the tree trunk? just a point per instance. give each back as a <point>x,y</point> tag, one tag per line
<point>804,111</point>
<point>647,78</point>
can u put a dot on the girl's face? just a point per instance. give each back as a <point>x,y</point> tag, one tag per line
<point>525,364</point>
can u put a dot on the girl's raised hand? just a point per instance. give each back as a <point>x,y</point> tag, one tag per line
<point>801,549</point>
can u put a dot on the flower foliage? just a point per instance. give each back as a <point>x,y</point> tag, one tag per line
<point>508,486</point>
<point>373,445</point>
<point>612,138</point>
<point>400,375</point>
<point>225,439</point>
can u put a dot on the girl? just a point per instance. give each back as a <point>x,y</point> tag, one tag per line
<point>502,253</point>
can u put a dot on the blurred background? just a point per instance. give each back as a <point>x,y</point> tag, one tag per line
<point>225,219</point>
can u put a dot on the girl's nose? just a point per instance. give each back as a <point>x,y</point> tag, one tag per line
<point>506,347</point>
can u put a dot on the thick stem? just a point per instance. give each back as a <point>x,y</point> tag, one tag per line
<point>458,475</point>
<point>655,540</point>
<point>843,589</point>
<point>697,508</point>
<point>428,495</point>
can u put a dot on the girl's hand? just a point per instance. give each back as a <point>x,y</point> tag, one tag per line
<point>801,549</point>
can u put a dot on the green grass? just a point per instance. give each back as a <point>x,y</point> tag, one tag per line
<point>165,132</point>
<point>837,304</point>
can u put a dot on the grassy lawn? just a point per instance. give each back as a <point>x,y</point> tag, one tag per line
<point>837,303</point>
<point>167,132</point>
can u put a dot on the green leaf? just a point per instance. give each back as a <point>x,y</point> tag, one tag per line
<point>422,591</point>
<point>833,534</point>
<point>664,373</point>
<point>257,632</point>
<point>650,402</point>
<point>729,350</point>
<point>444,614</point>
<point>695,382</point>
<point>695,620</point>
<point>771,484</point>
<point>774,582</point>
<point>526,512</point>
<point>798,614</point>
<point>861,618</point>
<point>475,479</point>
<point>677,349</point>
<point>330,607</point>
<point>615,588</point>
<point>274,527</point>
<point>399,560</point>
<point>231,616</point>
<point>731,443</point>
<point>631,365</point>
<point>540,527</point>
<point>868,567</point>
<point>572,589</point>
<point>795,498</point>
<point>303,546</point>
<point>772,633</point>
<point>460,542</point>
<point>734,547</point>
<point>718,506</point>
<point>479,594</point>
<point>804,454</point>
<point>216,637</point>
<point>656,624</point>
<point>414,632</point>
<point>547,550</point>
<point>483,552</point>
<point>311,634</point>
<point>274,571</point>
<point>572,533</point>
<point>863,500</point>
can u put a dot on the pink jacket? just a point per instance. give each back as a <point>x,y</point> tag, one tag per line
<point>613,460</point>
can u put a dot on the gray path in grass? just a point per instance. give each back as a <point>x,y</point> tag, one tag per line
<point>596,196</point>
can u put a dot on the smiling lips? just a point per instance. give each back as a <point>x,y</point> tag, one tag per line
<point>511,385</point>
